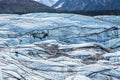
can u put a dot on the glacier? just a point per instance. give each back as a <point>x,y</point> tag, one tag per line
<point>52,46</point>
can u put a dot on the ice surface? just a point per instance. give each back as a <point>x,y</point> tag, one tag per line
<point>69,28</point>
<point>51,46</point>
<point>77,77</point>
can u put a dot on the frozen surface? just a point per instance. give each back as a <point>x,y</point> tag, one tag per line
<point>50,46</point>
<point>68,28</point>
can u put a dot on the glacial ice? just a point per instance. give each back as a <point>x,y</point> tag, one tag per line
<point>51,46</point>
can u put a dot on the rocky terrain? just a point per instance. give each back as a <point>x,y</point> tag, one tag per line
<point>51,46</point>
<point>23,6</point>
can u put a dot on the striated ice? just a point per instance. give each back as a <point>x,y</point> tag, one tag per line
<point>51,46</point>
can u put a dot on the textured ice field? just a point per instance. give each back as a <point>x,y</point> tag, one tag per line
<point>50,46</point>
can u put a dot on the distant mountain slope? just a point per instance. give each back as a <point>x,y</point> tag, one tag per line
<point>22,6</point>
<point>47,2</point>
<point>78,5</point>
<point>59,4</point>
